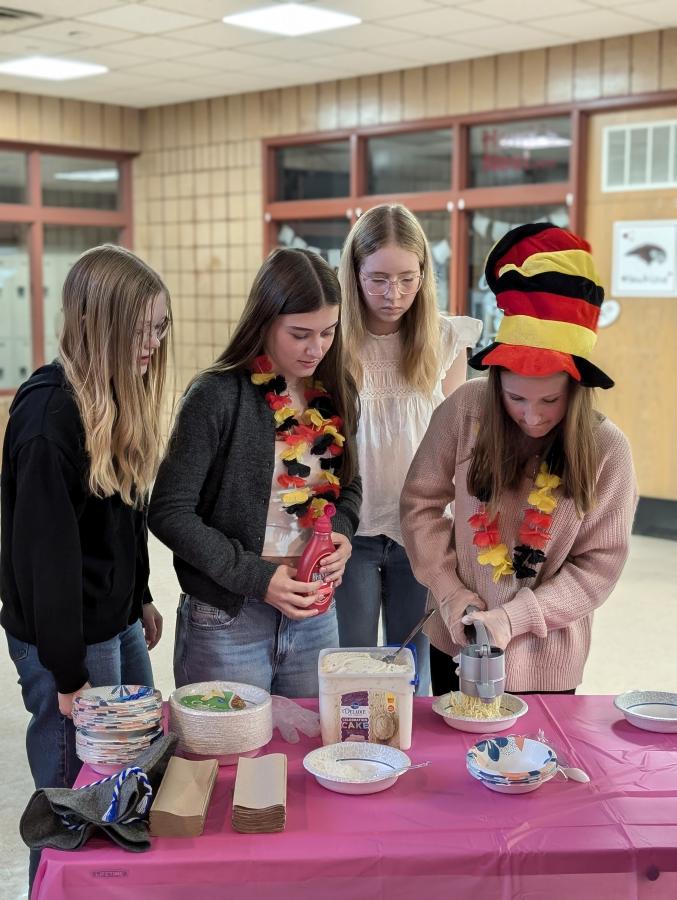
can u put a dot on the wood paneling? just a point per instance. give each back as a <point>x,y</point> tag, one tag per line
<point>638,350</point>
<point>668,64</point>
<point>616,62</point>
<point>369,100</point>
<point>413,94</point>
<point>587,70</point>
<point>560,74</point>
<point>508,79</point>
<point>391,97</point>
<point>645,66</point>
<point>533,77</point>
<point>483,84</point>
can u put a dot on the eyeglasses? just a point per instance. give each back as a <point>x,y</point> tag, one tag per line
<point>377,285</point>
<point>159,331</point>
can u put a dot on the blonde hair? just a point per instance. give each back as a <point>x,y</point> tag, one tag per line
<point>419,328</point>
<point>497,463</point>
<point>105,299</point>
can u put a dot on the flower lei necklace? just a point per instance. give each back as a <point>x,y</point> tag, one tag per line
<point>315,430</point>
<point>534,532</point>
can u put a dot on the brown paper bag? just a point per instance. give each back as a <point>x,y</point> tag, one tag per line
<point>180,806</point>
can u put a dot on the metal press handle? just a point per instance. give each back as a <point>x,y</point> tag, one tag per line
<point>483,636</point>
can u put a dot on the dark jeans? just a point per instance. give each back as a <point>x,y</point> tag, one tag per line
<point>444,678</point>
<point>50,737</point>
<point>378,578</point>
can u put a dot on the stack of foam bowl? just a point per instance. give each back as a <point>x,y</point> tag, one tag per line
<point>511,765</point>
<point>114,724</point>
<point>220,720</point>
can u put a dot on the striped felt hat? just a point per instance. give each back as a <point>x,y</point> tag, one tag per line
<point>545,282</point>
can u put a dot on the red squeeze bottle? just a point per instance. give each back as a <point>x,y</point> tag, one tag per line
<point>318,548</point>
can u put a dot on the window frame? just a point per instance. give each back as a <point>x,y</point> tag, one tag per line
<point>35,215</point>
<point>458,201</point>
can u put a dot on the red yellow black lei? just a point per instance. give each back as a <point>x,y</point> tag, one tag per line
<point>534,532</point>
<point>315,430</point>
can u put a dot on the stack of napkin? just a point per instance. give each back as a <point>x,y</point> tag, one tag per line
<point>180,807</point>
<point>260,796</point>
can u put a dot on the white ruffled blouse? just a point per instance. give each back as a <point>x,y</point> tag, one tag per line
<point>394,417</point>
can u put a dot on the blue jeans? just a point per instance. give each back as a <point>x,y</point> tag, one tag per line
<point>50,737</point>
<point>379,577</point>
<point>257,646</point>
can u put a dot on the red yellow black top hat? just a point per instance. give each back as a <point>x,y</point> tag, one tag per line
<point>545,282</point>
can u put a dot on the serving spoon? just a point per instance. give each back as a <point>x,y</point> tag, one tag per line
<point>380,762</point>
<point>390,657</point>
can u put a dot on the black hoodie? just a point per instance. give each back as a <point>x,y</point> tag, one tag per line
<point>73,567</point>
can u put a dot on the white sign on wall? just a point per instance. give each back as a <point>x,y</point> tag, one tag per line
<point>644,260</point>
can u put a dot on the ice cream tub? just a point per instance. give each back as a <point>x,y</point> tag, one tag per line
<point>363,698</point>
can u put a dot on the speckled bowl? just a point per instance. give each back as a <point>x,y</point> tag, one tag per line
<point>650,710</point>
<point>512,708</point>
<point>371,771</point>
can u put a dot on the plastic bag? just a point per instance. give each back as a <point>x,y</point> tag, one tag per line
<point>290,718</point>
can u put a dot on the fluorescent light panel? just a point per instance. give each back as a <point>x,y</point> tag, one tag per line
<point>291,19</point>
<point>50,68</point>
<point>533,140</point>
<point>96,175</point>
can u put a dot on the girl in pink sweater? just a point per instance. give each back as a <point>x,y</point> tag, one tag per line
<point>543,486</point>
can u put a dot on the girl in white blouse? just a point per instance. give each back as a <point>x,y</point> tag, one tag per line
<point>406,358</point>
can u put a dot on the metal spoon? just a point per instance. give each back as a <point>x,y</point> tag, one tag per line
<point>390,657</point>
<point>380,762</point>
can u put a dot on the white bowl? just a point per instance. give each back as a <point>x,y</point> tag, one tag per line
<point>370,770</point>
<point>223,735</point>
<point>650,710</point>
<point>512,708</point>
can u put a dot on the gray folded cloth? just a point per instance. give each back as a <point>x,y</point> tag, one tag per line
<point>65,818</point>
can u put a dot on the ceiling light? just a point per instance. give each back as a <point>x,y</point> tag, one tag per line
<point>291,19</point>
<point>49,68</point>
<point>534,140</point>
<point>97,175</point>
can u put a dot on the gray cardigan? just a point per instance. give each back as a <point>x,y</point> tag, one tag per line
<point>211,496</point>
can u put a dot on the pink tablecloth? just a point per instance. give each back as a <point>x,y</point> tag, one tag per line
<point>437,834</point>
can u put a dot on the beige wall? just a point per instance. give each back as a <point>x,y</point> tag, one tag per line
<point>72,123</point>
<point>197,181</point>
<point>198,192</point>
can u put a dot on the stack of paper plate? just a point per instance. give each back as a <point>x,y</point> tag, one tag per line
<point>114,724</point>
<point>221,720</point>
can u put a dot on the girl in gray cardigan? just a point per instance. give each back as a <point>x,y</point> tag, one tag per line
<point>263,441</point>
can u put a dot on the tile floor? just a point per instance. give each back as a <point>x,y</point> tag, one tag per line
<point>634,637</point>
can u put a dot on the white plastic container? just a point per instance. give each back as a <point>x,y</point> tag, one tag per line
<point>374,706</point>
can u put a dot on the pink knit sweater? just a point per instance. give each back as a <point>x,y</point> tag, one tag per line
<point>551,614</point>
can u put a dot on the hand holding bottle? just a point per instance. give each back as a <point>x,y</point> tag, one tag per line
<point>293,598</point>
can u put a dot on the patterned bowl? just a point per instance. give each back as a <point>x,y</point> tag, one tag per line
<point>511,760</point>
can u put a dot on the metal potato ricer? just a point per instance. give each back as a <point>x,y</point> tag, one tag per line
<point>481,666</point>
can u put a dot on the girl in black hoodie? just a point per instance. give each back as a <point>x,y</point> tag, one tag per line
<point>80,452</point>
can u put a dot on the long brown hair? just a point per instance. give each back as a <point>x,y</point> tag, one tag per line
<point>419,326</point>
<point>105,299</point>
<point>497,462</point>
<point>292,281</point>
